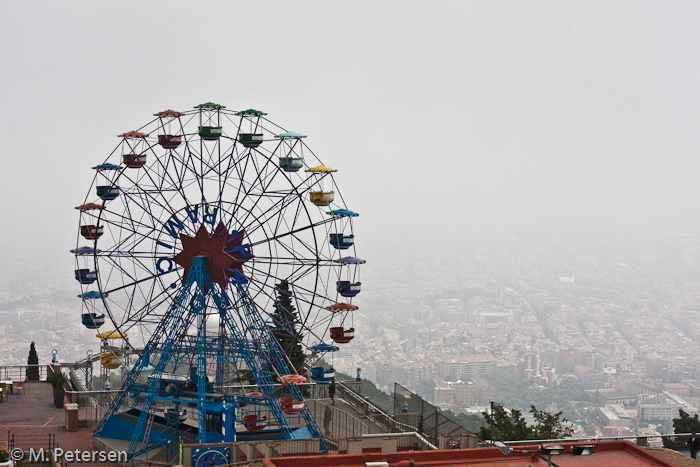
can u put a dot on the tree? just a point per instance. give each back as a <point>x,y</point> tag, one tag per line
<point>506,426</point>
<point>683,424</point>
<point>590,429</point>
<point>549,426</point>
<point>512,426</point>
<point>32,359</point>
<point>285,326</point>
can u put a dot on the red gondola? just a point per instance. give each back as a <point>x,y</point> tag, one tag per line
<point>89,206</point>
<point>342,336</point>
<point>134,161</point>
<point>91,232</point>
<point>289,405</point>
<point>170,141</point>
<point>253,423</point>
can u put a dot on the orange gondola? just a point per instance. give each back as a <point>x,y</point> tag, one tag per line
<point>89,206</point>
<point>342,307</point>
<point>133,134</point>
<point>292,379</point>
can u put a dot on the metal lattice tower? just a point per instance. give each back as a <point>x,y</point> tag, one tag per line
<point>260,353</point>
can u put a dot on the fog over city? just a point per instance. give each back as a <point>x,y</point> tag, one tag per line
<point>526,150</point>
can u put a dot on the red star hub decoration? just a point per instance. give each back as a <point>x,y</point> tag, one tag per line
<point>225,253</point>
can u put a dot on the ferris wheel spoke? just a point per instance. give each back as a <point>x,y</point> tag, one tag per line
<point>145,205</point>
<point>160,189</point>
<point>312,293</point>
<point>139,281</point>
<point>278,237</point>
<point>164,297</point>
<point>309,298</point>
<point>257,179</point>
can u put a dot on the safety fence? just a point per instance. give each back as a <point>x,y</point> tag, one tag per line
<point>337,423</point>
<point>24,372</point>
<point>412,410</point>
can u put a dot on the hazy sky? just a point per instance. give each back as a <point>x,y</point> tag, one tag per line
<point>514,117</point>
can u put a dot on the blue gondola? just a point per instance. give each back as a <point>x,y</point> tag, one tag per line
<point>85,250</point>
<point>85,276</point>
<point>343,213</point>
<point>322,375</point>
<point>145,368</point>
<point>340,241</point>
<point>348,289</point>
<point>106,166</point>
<point>290,134</point>
<point>93,294</point>
<point>92,320</point>
<point>324,347</point>
<point>349,260</point>
<point>108,192</point>
<point>291,164</point>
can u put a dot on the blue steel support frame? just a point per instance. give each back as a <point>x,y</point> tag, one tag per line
<point>174,328</point>
<point>172,318</point>
<point>263,335</point>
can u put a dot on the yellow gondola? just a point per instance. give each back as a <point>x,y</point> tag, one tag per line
<point>111,335</point>
<point>321,169</point>
<point>110,360</point>
<point>322,198</point>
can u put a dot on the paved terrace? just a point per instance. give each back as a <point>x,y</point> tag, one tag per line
<point>31,416</point>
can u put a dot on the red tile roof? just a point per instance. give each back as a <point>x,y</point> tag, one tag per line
<point>607,454</point>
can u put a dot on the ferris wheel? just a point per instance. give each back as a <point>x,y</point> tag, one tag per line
<point>215,173</point>
<point>221,220</point>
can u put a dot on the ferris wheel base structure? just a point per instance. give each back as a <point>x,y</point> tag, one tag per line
<point>152,414</point>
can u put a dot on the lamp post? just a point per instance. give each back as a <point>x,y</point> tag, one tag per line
<point>495,406</point>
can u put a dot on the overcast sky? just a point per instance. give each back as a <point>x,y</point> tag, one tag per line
<point>444,118</point>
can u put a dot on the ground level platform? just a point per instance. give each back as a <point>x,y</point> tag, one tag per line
<point>31,418</point>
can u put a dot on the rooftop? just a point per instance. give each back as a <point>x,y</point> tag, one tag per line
<point>607,454</point>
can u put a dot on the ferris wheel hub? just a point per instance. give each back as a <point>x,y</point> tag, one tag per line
<point>209,247</point>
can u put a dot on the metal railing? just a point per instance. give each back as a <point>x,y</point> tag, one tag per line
<point>411,409</point>
<point>639,439</point>
<point>337,423</point>
<point>92,405</point>
<point>19,372</point>
<point>387,422</point>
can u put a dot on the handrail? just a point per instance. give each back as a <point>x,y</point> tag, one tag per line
<point>591,438</point>
<point>371,407</point>
<point>19,372</point>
